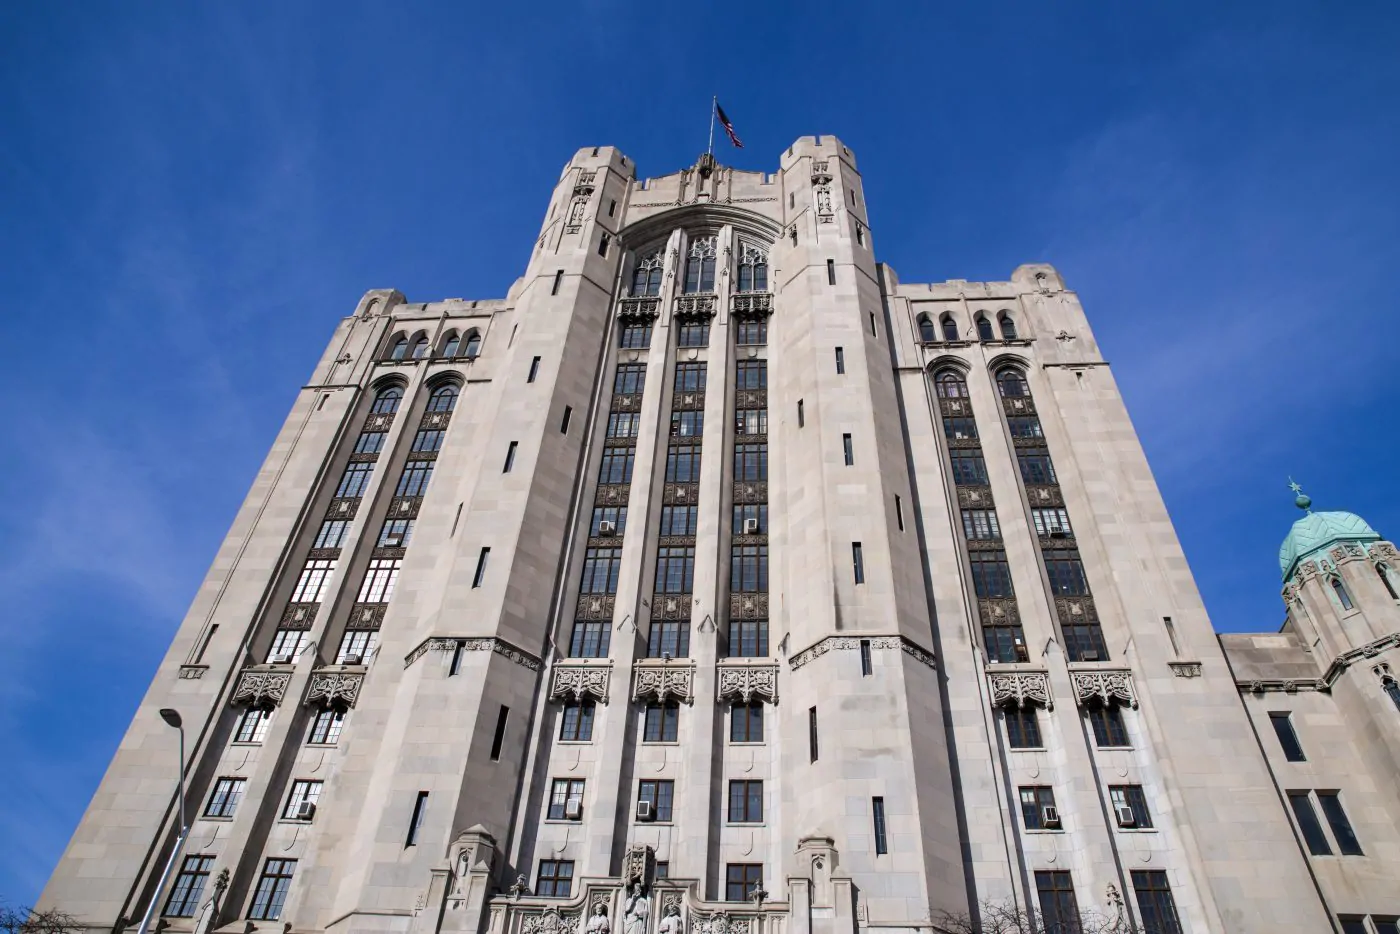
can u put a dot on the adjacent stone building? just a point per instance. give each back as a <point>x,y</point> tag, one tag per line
<point>714,581</point>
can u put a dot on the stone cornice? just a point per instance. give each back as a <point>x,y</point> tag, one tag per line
<point>822,646</point>
<point>474,644</point>
<point>1334,671</point>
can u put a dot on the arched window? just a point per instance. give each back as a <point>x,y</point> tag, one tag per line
<point>646,278</point>
<point>1011,383</point>
<point>1008,326</point>
<point>1384,573</point>
<point>984,329</point>
<point>926,332</point>
<point>700,265</point>
<point>950,327</point>
<point>950,385</point>
<point>387,402</point>
<point>443,399</point>
<point>451,345</point>
<point>420,347</point>
<point>1340,590</point>
<point>473,347</point>
<point>399,348</point>
<point>753,268</point>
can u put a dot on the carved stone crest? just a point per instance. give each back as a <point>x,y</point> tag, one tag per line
<point>337,689</point>
<point>1018,688</point>
<point>1185,669</point>
<point>1104,685</point>
<point>744,681</point>
<point>550,921</point>
<point>261,688</point>
<point>663,681</point>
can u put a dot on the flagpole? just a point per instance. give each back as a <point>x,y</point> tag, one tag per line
<point>710,149</point>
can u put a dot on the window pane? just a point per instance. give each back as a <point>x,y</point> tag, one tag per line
<point>1155,904</point>
<point>1287,737</point>
<point>1308,823</point>
<point>1337,820</point>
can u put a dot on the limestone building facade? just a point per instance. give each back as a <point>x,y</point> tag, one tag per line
<point>714,581</point>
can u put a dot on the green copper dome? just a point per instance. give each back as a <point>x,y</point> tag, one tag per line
<point>1318,531</point>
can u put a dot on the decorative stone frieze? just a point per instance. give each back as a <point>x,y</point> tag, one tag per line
<point>299,615</point>
<point>1018,405</point>
<point>1185,669</point>
<point>642,307</point>
<point>261,687</point>
<point>550,921</point>
<point>748,605</point>
<point>474,644</point>
<point>750,492</point>
<point>405,506</point>
<point>752,303</point>
<point>847,643</point>
<point>627,402</point>
<point>434,420</point>
<point>343,507</point>
<point>751,399</point>
<point>192,672</point>
<point>954,407</point>
<point>577,678</point>
<point>671,605</point>
<point>998,611</point>
<point>612,494</point>
<point>975,497</point>
<point>595,606</point>
<point>1103,685</point>
<point>744,678</point>
<point>1044,494</point>
<point>366,616</point>
<point>640,865</point>
<point>720,922</point>
<point>682,493</point>
<point>688,401</point>
<point>1076,611</point>
<point>1018,688</point>
<point>378,421</point>
<point>663,679</point>
<point>335,689</point>
<point>696,306</point>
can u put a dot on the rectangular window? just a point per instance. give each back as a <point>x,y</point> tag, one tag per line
<point>534,370</point>
<point>565,798</point>
<point>1066,573</point>
<point>380,578</point>
<point>1051,523</point>
<point>746,723</point>
<point>454,668</point>
<point>669,638</point>
<point>1131,798</point>
<point>899,511</point>
<point>1034,800</point>
<point>415,822</point>
<point>1155,904</point>
<point>395,533</point>
<point>693,332</point>
<point>675,569</point>
<point>304,791</point>
<point>624,424</point>
<point>636,335</point>
<point>748,569</point>
<point>326,727</point>
<point>332,534</point>
<point>751,462</point>
<point>1005,643</point>
<point>414,479</point>
<point>751,374</point>
<point>1108,726</point>
<point>510,457</point>
<point>690,377</point>
<point>812,747</point>
<point>189,887</point>
<point>315,579</point>
<point>663,869</point>
<point>614,516</point>
<point>1059,912</point>
<point>858,562</point>
<point>617,465</point>
<point>287,644</point>
<point>751,332</point>
<point>555,879</point>
<point>564,422</point>
<point>981,525</point>
<point>960,429</point>
<point>1385,925</point>
<point>831,272</point>
<point>612,207</point>
<point>847,450</point>
<point>225,797</point>
<point>1084,642</point>
<point>801,419</point>
<point>741,880</point>
<point>968,468</point>
<point>558,281</point>
<point>355,479</point>
<point>1337,820</point>
<point>745,802</point>
<point>1036,466</point>
<point>661,723</point>
<point>1022,727</point>
<point>500,736</point>
<point>660,792</point>
<point>877,810</point>
<point>1024,426</point>
<point>1356,926</point>
<point>369,442</point>
<point>252,726</point>
<point>603,245</point>
<point>428,441</point>
<point>748,638</point>
<point>840,361</point>
<point>1287,737</point>
<point>860,234</point>
<point>873,331</point>
<point>271,892</point>
<point>991,575</point>
<point>576,722</point>
<point>688,424</point>
<point>481,560</point>
<point>590,640</point>
<point>867,664</point>
<point>678,520</point>
<point>601,567</point>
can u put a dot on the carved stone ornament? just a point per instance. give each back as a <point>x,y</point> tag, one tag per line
<point>664,680</point>
<point>999,611</point>
<point>192,672</point>
<point>819,649</point>
<point>672,605</point>
<point>580,679</point>
<point>641,307</point>
<point>695,306</point>
<point>1185,669</point>
<point>640,865</point>
<point>719,923</point>
<point>753,303</point>
<point>821,172</point>
<point>336,689</point>
<point>261,688</point>
<point>1307,571</point>
<point>474,644</point>
<point>1019,688</point>
<point>1104,685</point>
<point>550,921</point>
<point>744,681</point>
<point>824,212</point>
<point>748,605</point>
<point>1384,550</point>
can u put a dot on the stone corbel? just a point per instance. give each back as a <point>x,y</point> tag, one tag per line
<point>261,687</point>
<point>1185,669</point>
<point>664,680</point>
<point>1104,685</point>
<point>580,679</point>
<point>1019,688</point>
<point>334,689</point>
<point>745,680</point>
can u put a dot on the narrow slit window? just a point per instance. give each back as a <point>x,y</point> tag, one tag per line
<point>840,360</point>
<point>899,511</point>
<point>858,562</point>
<point>877,810</point>
<point>510,457</point>
<point>500,736</point>
<point>867,665</point>
<point>564,422</point>
<point>558,281</point>
<point>612,207</point>
<point>847,450</point>
<point>1308,823</point>
<point>874,332</point>
<point>801,419</point>
<point>812,733</point>
<point>534,370</point>
<point>415,823</point>
<point>1343,597</point>
<point>1287,736</point>
<point>603,245</point>
<point>457,652</point>
<point>831,272</point>
<point>480,574</point>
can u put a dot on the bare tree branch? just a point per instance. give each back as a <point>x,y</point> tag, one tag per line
<point>29,921</point>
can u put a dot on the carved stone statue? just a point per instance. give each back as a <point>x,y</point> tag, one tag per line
<point>599,923</point>
<point>638,910</point>
<point>671,923</point>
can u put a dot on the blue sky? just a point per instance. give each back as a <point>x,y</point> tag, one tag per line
<point>193,195</point>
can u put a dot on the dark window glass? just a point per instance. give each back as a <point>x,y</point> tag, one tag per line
<point>755,421</point>
<point>636,335</point>
<point>960,429</point>
<point>751,332</point>
<point>867,664</point>
<point>1051,522</point>
<point>355,479</point>
<point>481,561</point>
<point>969,468</point>
<point>1022,728</point>
<point>840,360</point>
<point>950,385</point>
<point>847,450</point>
<point>751,462</point>
<point>576,721</point>
<point>369,442</point>
<point>669,638</point>
<point>927,332</point>
<point>690,377</point>
<point>1107,721</point>
<point>1011,383</point>
<point>271,892</point>
<point>1132,798</point>
<point>984,329</point>
<point>663,869</point>
<point>252,726</point>
<point>689,424</point>
<point>949,326</point>
<point>1008,327</point>
<point>746,723</point>
<point>877,812</point>
<point>741,880</point>
<point>450,345</point>
<point>1155,904</point>
<point>332,533</point>
<point>1386,925</point>
<point>646,279</point>
<point>534,370</point>
<point>1005,643</point>
<point>1036,466</point>
<point>751,374</point>
<point>563,791</point>
<point>189,887</point>
<point>683,463</point>
<point>1355,926</point>
<point>223,801</point>
<point>1337,820</point>
<point>428,441</point>
<point>981,525</point>
<point>420,348</point>
<point>601,567</point>
<point>813,747</point>
<point>1392,689</point>
<point>1384,574</point>
<point>415,821</point>
<point>831,272</point>
<point>395,533</point>
<point>624,424</point>
<point>414,479</point>
<point>399,349</point>
<point>700,267</point>
<point>1343,597</point>
<point>693,332</point>
<point>748,638</point>
<point>991,575</point>
<point>858,562</point>
<point>660,793</point>
<point>1034,800</point>
<point>745,802</point>
<point>675,569</point>
<point>617,515</point>
<point>326,727</point>
<point>387,402</point>
<point>1024,426</point>
<point>555,879</point>
<point>617,465</point>
<point>1084,642</point>
<point>444,398</point>
<point>1066,572</point>
<point>1287,737</point>
<point>753,272</point>
<point>678,520</point>
<point>1059,912</point>
<point>590,639</point>
<point>631,378</point>
<point>748,569</point>
<point>662,723</point>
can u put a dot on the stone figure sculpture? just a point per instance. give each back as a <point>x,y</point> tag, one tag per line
<point>638,910</point>
<point>599,923</point>
<point>671,923</point>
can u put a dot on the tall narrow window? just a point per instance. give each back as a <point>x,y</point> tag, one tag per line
<point>660,794</point>
<point>746,802</point>
<point>1383,573</point>
<point>801,420</point>
<point>1108,726</point>
<point>668,639</point>
<point>927,333</point>
<point>189,887</point>
<point>481,560</point>
<point>1130,806</point>
<point>603,245</point>
<point>748,638</point>
<point>387,402</point>
<point>1341,827</point>
<point>847,450</point>
<point>646,277</point>
<point>899,511</point>
<point>399,349</point>
<point>612,207</point>
<point>867,664</point>
<point>700,265</point>
<point>1155,904</point>
<point>252,726</point>
<point>225,797</point>
<point>354,480</point>
<point>1059,911</point>
<point>380,578</point>
<point>874,332</point>
<point>1008,326</point>
<point>326,727</point>
<point>831,272</point>
<point>1038,810</point>
<point>564,422</point>
<point>1287,736</point>
<point>1340,589</point>
<point>753,268</point>
<point>510,457</point>
<point>877,812</point>
<point>950,327</point>
<point>840,360</point>
<point>991,575</point>
<point>271,893</point>
<point>454,667</point>
<point>558,281</point>
<point>301,803</point>
<point>812,733</point>
<point>635,334</point>
<point>661,723</point>
<point>451,345</point>
<point>500,736</point>
<point>858,562</point>
<point>565,800</point>
<point>534,370</point>
<point>984,328</point>
<point>746,723</point>
<point>576,723</point>
<point>1022,728</point>
<point>1308,824</point>
<point>415,823</point>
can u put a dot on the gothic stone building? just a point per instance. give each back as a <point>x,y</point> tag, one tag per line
<point>719,579</point>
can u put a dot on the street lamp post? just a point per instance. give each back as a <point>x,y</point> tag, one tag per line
<point>172,718</point>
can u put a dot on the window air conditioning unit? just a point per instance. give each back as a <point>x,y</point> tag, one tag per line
<point>1091,655</point>
<point>573,809</point>
<point>750,526</point>
<point>282,658</point>
<point>352,660</point>
<point>607,528</point>
<point>1126,818</point>
<point>1058,533</point>
<point>1050,816</point>
<point>646,810</point>
<point>306,810</point>
<point>393,541</point>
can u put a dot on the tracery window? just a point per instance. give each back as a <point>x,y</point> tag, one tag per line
<point>700,265</point>
<point>443,399</point>
<point>950,385</point>
<point>753,268</point>
<point>387,402</point>
<point>1011,383</point>
<point>646,277</point>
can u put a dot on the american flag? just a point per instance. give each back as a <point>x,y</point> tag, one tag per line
<point>728,127</point>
